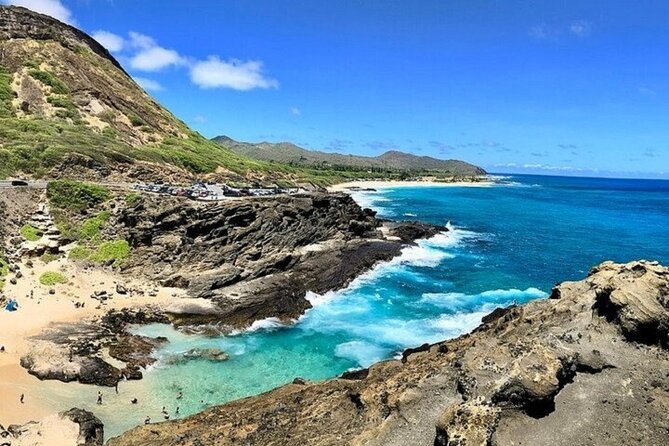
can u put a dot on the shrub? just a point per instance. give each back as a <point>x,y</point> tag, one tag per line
<point>118,251</point>
<point>90,229</point>
<point>48,258</point>
<point>80,253</point>
<point>6,93</point>
<point>132,198</point>
<point>30,233</point>
<point>135,120</point>
<point>50,278</point>
<point>4,267</point>
<point>50,79</point>
<point>69,194</point>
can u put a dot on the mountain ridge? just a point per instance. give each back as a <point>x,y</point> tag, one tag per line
<point>397,160</point>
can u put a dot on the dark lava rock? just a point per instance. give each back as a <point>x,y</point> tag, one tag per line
<point>91,430</point>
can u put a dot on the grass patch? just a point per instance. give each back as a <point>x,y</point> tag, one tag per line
<point>6,93</point>
<point>67,194</point>
<point>80,253</point>
<point>118,251</point>
<point>133,198</point>
<point>4,267</point>
<point>48,258</point>
<point>90,229</point>
<point>50,79</point>
<point>30,233</point>
<point>135,120</point>
<point>51,278</point>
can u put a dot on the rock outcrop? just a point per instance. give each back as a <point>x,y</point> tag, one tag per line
<point>74,427</point>
<point>587,366</point>
<point>254,258</point>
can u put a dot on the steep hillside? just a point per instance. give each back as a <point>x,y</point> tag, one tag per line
<point>67,107</point>
<point>392,160</point>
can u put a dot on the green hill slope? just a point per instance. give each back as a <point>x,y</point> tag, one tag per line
<point>67,107</point>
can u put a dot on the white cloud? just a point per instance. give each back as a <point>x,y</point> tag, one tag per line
<point>148,84</point>
<point>111,41</point>
<point>234,73</point>
<point>295,111</point>
<point>53,8</point>
<point>541,31</point>
<point>151,56</point>
<point>580,28</point>
<point>200,119</point>
<point>141,41</point>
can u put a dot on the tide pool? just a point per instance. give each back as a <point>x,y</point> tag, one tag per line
<point>508,243</point>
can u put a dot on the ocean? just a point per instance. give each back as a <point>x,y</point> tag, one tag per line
<point>507,243</point>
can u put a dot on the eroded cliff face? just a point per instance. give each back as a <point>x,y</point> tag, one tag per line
<point>256,258</point>
<point>587,366</point>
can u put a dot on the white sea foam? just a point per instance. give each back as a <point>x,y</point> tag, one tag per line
<point>316,300</point>
<point>409,214</point>
<point>362,352</point>
<point>453,325</point>
<point>267,324</point>
<point>456,301</point>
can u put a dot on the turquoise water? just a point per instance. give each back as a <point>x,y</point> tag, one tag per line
<point>508,243</point>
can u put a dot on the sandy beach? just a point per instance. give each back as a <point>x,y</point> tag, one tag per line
<point>42,309</point>
<point>347,187</point>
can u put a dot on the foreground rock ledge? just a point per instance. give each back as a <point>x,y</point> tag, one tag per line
<point>73,427</point>
<point>588,366</point>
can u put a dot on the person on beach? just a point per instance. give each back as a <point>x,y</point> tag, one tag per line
<point>177,411</point>
<point>99,397</point>
<point>164,411</point>
<point>116,387</point>
<point>133,401</point>
<point>147,420</point>
<point>22,397</point>
<point>180,395</point>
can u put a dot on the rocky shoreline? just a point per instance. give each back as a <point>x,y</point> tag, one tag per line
<point>586,366</point>
<point>239,261</point>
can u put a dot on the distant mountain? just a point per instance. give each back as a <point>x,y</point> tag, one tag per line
<point>392,160</point>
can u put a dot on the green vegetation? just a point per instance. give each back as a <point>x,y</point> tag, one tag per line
<point>50,278</point>
<point>90,229</point>
<point>65,107</point>
<point>4,267</point>
<point>135,120</point>
<point>80,253</point>
<point>116,251</point>
<point>48,258</point>
<point>4,270</point>
<point>30,233</point>
<point>50,79</point>
<point>132,198</point>
<point>36,145</point>
<point>6,93</point>
<point>62,102</point>
<point>67,194</point>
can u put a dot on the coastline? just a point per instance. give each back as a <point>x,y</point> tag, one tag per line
<point>351,186</point>
<point>46,315</point>
<point>43,311</point>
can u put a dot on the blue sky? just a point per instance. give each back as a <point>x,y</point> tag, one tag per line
<point>564,87</point>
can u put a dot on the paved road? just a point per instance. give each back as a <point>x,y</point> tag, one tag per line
<point>31,184</point>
